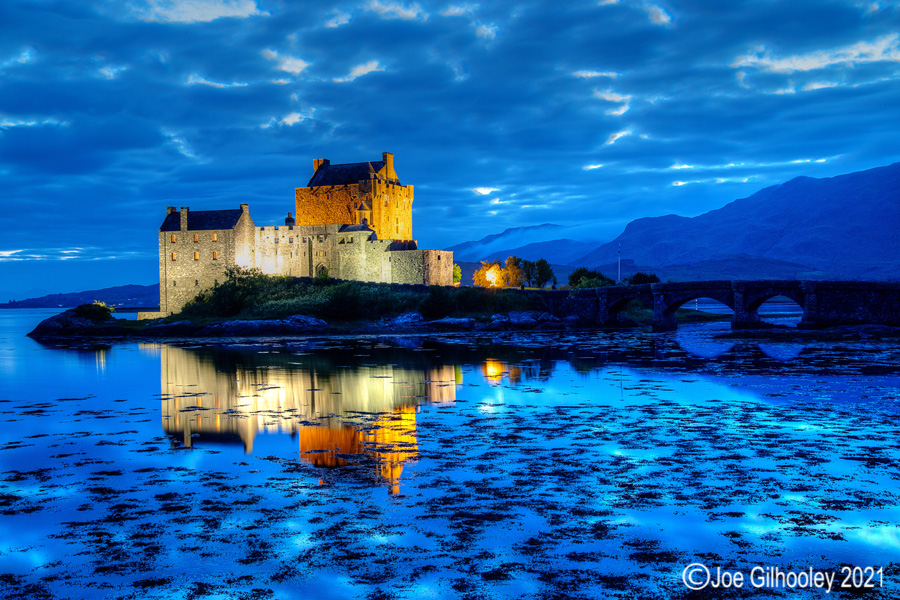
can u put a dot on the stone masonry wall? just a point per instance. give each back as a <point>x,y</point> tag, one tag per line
<point>438,267</point>
<point>324,205</point>
<point>391,205</point>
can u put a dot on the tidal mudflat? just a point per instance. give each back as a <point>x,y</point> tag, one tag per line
<point>515,465</point>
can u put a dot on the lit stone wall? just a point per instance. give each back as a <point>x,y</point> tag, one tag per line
<point>191,261</point>
<point>431,267</point>
<point>326,204</point>
<point>392,210</point>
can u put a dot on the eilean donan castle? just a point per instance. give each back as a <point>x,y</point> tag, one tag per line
<point>354,221</point>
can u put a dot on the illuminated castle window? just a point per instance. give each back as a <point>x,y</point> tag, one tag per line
<point>196,256</point>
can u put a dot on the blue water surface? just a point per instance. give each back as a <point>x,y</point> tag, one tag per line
<point>511,465</point>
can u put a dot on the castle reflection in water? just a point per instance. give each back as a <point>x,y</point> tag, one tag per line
<point>337,413</point>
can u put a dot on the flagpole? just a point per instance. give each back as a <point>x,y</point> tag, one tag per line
<point>619,280</point>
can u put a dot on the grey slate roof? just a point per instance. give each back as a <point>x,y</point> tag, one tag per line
<point>202,220</point>
<point>354,228</point>
<point>344,174</point>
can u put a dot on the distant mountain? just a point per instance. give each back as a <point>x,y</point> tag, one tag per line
<point>498,244</point>
<point>844,227</point>
<point>122,295</point>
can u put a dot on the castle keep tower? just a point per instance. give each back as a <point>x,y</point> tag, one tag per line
<point>366,193</point>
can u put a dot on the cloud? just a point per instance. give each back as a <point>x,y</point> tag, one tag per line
<point>340,18</point>
<point>24,57</point>
<point>591,74</point>
<point>486,32</point>
<point>295,117</point>
<point>360,70</point>
<point>395,10</point>
<point>656,13</point>
<point>459,10</point>
<point>195,79</point>
<point>615,136</point>
<point>716,180</point>
<point>193,11</point>
<point>288,64</point>
<point>883,49</point>
<point>68,253</point>
<point>819,85</point>
<point>746,165</point>
<point>624,100</point>
<point>111,72</point>
<point>290,119</point>
<point>180,144</point>
<point>8,122</point>
<point>592,167</point>
<point>484,191</point>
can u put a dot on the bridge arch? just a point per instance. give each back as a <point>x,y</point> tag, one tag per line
<point>751,295</point>
<point>619,297</point>
<point>669,297</point>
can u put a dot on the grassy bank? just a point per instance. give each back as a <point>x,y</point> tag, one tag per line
<point>644,316</point>
<point>256,296</point>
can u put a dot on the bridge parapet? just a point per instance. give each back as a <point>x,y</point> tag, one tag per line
<point>831,303</point>
<point>824,303</point>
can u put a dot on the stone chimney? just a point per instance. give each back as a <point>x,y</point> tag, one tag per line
<point>289,221</point>
<point>169,210</point>
<point>184,218</point>
<point>388,159</point>
<point>320,162</point>
<point>245,207</point>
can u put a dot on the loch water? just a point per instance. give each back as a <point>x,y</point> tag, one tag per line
<point>506,465</point>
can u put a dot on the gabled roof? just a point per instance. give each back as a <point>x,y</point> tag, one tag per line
<point>202,220</point>
<point>344,174</point>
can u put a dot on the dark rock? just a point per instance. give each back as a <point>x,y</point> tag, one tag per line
<point>523,320</point>
<point>71,322</point>
<point>406,319</point>
<point>304,323</point>
<point>452,323</point>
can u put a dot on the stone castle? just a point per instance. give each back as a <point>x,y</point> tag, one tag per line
<point>354,221</point>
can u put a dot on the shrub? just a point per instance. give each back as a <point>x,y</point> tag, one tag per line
<point>97,311</point>
<point>641,277</point>
<point>582,277</point>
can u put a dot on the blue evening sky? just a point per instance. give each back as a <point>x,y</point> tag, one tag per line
<point>502,114</point>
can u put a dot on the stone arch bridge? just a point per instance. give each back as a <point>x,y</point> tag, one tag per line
<point>824,303</point>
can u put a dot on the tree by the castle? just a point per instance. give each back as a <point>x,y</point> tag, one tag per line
<point>543,274</point>
<point>457,274</point>
<point>514,277</point>
<point>641,277</point>
<point>529,270</point>
<point>582,277</point>
<point>490,274</point>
